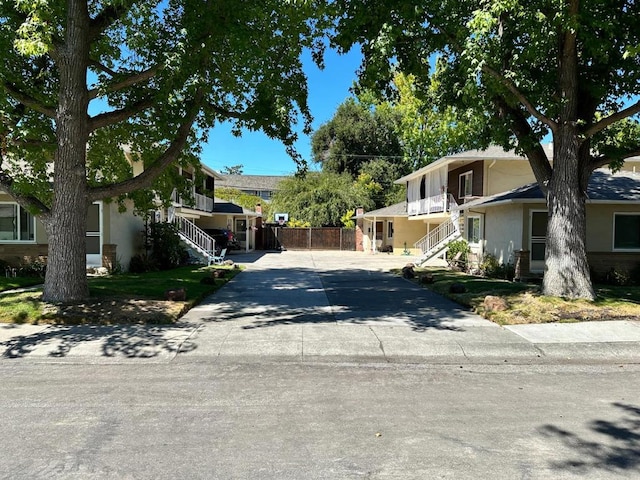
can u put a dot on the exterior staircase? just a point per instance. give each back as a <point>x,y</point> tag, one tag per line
<point>435,242</point>
<point>195,238</point>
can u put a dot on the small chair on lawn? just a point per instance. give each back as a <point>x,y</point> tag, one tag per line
<point>218,259</point>
<point>456,262</point>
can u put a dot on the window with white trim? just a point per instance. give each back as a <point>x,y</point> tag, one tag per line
<point>16,224</point>
<point>465,185</point>
<point>389,229</point>
<point>626,231</point>
<point>473,230</point>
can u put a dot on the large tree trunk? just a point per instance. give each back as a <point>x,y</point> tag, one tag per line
<point>66,279</point>
<point>566,265</point>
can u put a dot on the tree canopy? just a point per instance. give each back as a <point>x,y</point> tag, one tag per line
<point>568,69</point>
<point>321,198</point>
<point>353,136</point>
<point>80,79</point>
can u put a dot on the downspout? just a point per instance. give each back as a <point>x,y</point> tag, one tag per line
<point>246,236</point>
<point>375,236</point>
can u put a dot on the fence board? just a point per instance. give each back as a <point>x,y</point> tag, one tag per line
<point>325,238</point>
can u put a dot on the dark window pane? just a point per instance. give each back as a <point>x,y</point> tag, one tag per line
<point>537,251</point>
<point>627,231</point>
<point>539,224</point>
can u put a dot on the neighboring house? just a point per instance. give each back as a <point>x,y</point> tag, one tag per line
<point>113,237</point>
<point>488,198</point>
<point>263,186</point>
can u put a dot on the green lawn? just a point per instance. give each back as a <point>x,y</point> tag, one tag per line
<point>527,305</point>
<point>19,282</point>
<point>120,298</point>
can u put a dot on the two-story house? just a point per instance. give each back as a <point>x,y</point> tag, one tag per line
<point>489,197</point>
<point>114,236</point>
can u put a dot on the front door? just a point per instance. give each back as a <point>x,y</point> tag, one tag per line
<point>241,232</point>
<point>94,235</point>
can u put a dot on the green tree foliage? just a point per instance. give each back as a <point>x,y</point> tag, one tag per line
<point>528,69</point>
<point>355,135</point>
<point>243,199</point>
<point>427,133</point>
<point>320,198</point>
<point>232,170</point>
<point>80,79</point>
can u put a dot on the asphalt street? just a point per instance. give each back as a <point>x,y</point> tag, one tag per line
<point>321,365</point>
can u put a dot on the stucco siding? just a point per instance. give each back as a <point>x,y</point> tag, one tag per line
<point>600,225</point>
<point>124,230</point>
<point>503,232</point>
<point>505,175</point>
<point>409,231</point>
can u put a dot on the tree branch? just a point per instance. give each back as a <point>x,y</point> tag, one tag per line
<point>27,100</point>
<point>109,118</point>
<point>538,160</point>
<point>127,82</point>
<point>613,118</point>
<point>226,113</point>
<point>107,17</point>
<point>103,68</point>
<point>509,85</point>
<point>170,155</point>
<point>27,201</point>
<point>603,160</point>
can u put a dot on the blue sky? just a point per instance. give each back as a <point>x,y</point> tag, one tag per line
<point>260,155</point>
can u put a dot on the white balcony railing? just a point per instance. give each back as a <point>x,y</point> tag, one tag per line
<point>436,204</point>
<point>199,202</point>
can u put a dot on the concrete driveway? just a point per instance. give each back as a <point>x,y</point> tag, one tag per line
<point>326,306</point>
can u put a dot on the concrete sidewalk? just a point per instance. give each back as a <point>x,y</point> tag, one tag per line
<point>327,306</point>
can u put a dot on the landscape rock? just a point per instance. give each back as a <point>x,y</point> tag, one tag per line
<point>408,271</point>
<point>175,295</point>
<point>495,304</point>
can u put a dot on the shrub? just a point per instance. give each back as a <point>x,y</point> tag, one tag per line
<point>166,249</point>
<point>491,268</point>
<point>35,268</point>
<point>142,264</point>
<point>458,246</point>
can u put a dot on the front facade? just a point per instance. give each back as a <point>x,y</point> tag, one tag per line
<point>113,236</point>
<point>488,198</point>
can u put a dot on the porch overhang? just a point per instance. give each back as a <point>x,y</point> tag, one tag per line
<point>427,217</point>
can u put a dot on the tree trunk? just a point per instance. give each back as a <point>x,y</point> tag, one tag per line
<point>566,265</point>
<point>66,279</point>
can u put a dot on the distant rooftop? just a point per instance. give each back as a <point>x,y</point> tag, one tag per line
<point>251,182</point>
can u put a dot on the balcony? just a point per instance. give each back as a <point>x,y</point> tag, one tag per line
<point>431,205</point>
<point>199,202</point>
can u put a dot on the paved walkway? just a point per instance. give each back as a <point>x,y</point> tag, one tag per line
<point>327,306</point>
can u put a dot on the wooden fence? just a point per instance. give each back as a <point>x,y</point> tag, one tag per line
<point>321,238</point>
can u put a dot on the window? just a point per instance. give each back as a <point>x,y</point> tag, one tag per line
<point>423,187</point>
<point>16,224</point>
<point>473,230</point>
<point>626,231</point>
<point>465,185</point>
<point>389,229</point>
<point>538,235</point>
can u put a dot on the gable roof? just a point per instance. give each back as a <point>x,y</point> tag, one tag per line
<point>251,182</point>
<point>604,187</point>
<point>492,152</point>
